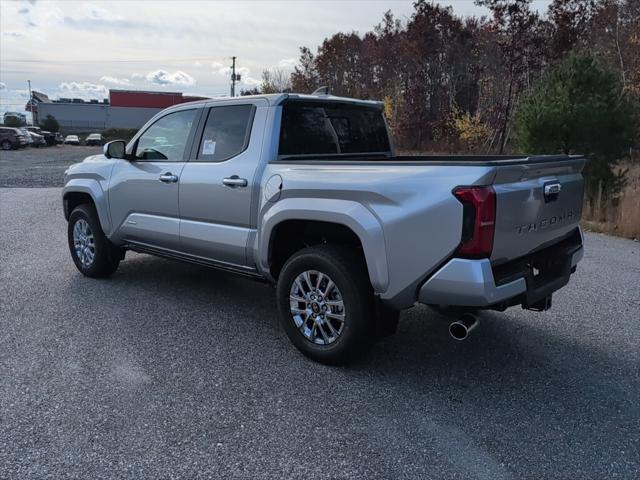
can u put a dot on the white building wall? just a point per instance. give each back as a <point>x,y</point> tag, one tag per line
<point>76,116</point>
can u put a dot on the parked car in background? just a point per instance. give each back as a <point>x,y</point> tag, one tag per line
<point>94,139</point>
<point>59,138</point>
<point>72,140</point>
<point>25,134</point>
<point>37,140</point>
<point>49,137</point>
<point>11,138</point>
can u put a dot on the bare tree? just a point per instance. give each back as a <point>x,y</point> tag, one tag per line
<point>275,80</point>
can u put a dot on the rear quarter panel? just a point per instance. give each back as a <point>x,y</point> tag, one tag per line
<point>405,215</point>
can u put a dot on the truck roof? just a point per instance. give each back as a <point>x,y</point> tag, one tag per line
<point>279,98</point>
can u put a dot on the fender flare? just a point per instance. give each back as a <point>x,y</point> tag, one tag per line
<point>352,215</point>
<point>92,188</point>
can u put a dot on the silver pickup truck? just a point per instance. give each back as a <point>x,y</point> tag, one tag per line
<point>305,191</point>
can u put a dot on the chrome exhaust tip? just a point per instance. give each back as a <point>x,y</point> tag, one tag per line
<point>461,328</point>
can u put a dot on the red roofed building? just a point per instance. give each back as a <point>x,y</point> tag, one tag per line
<point>140,99</point>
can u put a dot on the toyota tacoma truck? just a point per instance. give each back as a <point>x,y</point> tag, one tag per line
<point>305,191</point>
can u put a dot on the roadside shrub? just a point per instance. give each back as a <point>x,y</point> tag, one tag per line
<point>471,130</point>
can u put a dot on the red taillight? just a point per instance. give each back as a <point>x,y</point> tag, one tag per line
<point>479,221</point>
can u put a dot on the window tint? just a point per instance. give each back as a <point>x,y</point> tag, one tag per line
<point>166,139</point>
<point>226,132</point>
<point>315,128</point>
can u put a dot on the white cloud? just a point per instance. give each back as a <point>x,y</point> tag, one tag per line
<point>162,77</point>
<point>137,76</point>
<point>245,74</point>
<point>84,90</point>
<point>252,82</point>
<point>288,63</point>
<point>95,12</point>
<point>13,34</point>
<point>115,81</point>
<point>220,69</point>
<point>3,86</point>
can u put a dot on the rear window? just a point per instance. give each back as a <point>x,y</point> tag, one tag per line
<point>313,128</point>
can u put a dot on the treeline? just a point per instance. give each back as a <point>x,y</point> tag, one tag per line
<point>454,83</point>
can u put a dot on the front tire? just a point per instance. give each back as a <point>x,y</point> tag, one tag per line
<point>90,249</point>
<point>326,303</point>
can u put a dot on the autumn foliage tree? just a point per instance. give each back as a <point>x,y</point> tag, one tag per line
<point>451,83</point>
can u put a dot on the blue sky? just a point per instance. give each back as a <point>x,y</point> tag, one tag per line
<point>81,49</point>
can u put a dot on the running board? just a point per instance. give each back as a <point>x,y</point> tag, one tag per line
<point>183,257</point>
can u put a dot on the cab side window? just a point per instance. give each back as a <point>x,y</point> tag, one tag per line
<point>166,139</point>
<point>226,133</point>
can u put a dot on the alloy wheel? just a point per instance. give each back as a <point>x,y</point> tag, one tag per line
<point>317,307</point>
<point>83,243</point>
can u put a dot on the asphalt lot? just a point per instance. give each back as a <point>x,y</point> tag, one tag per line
<point>169,370</point>
<point>40,167</point>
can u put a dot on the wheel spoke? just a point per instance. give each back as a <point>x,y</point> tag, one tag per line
<point>299,284</point>
<point>328,288</point>
<point>337,316</point>
<point>334,332</point>
<point>325,337</point>
<point>334,303</point>
<point>312,334</point>
<point>307,279</point>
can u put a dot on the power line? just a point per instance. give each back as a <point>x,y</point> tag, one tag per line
<point>65,62</point>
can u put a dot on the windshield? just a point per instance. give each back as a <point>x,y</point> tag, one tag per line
<point>315,128</point>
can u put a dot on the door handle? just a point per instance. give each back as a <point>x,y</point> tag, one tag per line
<point>168,178</point>
<point>235,181</point>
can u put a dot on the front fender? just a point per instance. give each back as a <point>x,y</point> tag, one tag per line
<point>93,188</point>
<point>345,212</point>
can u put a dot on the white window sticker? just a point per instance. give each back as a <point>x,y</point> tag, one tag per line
<point>209,147</point>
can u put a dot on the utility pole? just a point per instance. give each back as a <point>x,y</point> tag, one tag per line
<point>234,78</point>
<point>33,117</point>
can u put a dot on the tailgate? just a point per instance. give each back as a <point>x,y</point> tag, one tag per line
<point>538,202</point>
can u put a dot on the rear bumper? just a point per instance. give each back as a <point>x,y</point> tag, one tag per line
<point>475,283</point>
<point>468,283</point>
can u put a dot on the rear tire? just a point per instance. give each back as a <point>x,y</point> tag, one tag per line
<point>6,145</point>
<point>329,324</point>
<point>92,252</point>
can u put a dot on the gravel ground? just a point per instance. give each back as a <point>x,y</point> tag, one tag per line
<point>40,167</point>
<point>174,371</point>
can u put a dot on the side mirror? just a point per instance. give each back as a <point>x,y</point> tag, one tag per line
<point>114,149</point>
